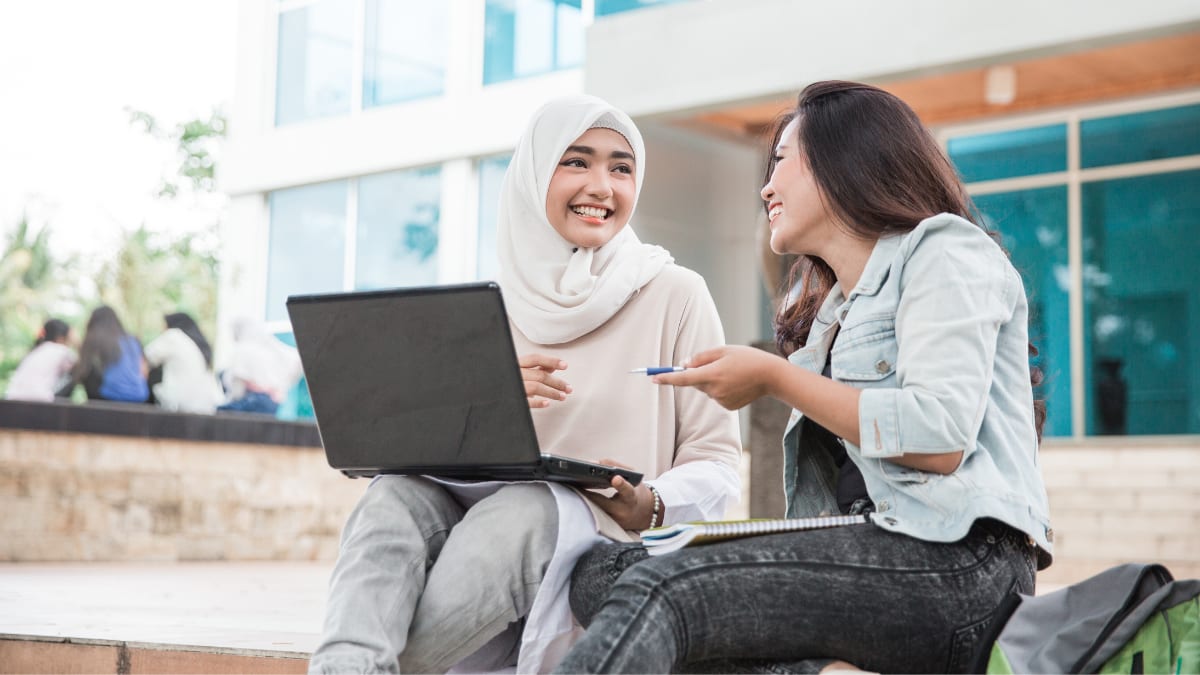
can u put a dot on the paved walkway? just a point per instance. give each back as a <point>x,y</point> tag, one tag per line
<point>262,606</point>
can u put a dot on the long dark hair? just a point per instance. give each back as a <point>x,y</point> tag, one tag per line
<point>101,343</point>
<point>184,322</point>
<point>52,331</point>
<point>880,173</point>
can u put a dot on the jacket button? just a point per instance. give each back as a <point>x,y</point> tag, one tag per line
<point>882,366</point>
<point>883,506</point>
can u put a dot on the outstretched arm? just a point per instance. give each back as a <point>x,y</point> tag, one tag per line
<point>735,376</point>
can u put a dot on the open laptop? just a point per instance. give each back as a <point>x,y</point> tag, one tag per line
<point>424,381</point>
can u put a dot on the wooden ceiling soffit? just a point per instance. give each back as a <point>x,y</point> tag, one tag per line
<point>1131,69</point>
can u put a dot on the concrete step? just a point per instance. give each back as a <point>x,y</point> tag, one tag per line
<point>38,654</point>
<point>214,617</point>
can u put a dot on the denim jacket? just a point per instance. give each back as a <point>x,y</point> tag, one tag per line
<point>935,335</point>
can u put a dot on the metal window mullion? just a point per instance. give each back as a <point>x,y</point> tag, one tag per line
<point>1137,169</point>
<point>1075,266</point>
<point>271,91</point>
<point>471,204</point>
<point>350,249</point>
<point>1002,185</point>
<point>358,58</point>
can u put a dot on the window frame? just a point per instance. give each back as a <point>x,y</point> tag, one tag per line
<point>1074,178</point>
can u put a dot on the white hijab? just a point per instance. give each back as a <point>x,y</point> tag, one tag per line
<point>554,292</point>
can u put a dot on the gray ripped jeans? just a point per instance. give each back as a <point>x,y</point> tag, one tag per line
<point>421,582</point>
<point>790,603</point>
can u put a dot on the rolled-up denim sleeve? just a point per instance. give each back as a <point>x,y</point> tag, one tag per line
<point>955,294</point>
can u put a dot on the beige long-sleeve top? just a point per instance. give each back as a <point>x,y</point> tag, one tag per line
<point>685,443</point>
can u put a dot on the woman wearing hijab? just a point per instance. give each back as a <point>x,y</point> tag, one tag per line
<point>429,573</point>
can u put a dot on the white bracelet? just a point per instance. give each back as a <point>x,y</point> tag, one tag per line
<point>654,522</point>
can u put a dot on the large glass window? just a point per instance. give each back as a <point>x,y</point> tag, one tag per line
<point>1137,368</point>
<point>1157,134</point>
<point>491,175</point>
<point>405,50</point>
<point>308,231</point>
<point>1142,304</point>
<point>315,61</point>
<point>531,37</point>
<point>397,239</point>
<point>1023,152</point>
<point>1033,228</point>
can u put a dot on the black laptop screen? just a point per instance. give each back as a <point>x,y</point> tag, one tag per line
<point>406,378</point>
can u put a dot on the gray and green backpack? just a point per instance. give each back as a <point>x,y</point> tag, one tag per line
<point>1128,619</point>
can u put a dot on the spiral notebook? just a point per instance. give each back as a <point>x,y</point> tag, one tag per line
<point>662,540</point>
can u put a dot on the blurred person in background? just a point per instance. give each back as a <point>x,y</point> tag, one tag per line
<point>45,369</point>
<point>111,366</point>
<point>187,381</point>
<point>261,370</point>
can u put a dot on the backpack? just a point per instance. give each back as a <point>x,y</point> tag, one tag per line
<point>1131,618</point>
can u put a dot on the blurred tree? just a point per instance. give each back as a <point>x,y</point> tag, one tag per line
<point>154,274</point>
<point>33,287</point>
<point>197,145</point>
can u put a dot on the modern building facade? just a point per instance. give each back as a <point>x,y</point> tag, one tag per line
<point>368,139</point>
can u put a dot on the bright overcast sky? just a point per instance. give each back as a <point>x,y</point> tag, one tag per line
<point>68,69</point>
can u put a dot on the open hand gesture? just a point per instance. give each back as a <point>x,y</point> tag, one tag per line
<point>541,386</point>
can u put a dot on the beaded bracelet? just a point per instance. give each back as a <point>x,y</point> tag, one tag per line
<point>654,515</point>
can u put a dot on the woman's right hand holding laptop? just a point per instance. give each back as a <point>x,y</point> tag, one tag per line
<point>541,386</point>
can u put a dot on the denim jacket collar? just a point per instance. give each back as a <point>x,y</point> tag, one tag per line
<point>878,266</point>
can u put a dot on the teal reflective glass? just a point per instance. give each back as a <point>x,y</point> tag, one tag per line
<point>306,243</point>
<point>606,7</point>
<point>491,175</point>
<point>531,37</point>
<point>1140,137</point>
<point>397,241</point>
<point>1142,304</point>
<point>315,60</point>
<point>404,54</point>
<point>1007,154</point>
<point>1033,228</point>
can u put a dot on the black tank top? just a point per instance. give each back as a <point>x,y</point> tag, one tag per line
<point>851,491</point>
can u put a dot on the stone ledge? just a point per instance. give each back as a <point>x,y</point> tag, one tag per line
<point>37,654</point>
<point>144,421</point>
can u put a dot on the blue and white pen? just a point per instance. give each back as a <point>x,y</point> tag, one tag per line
<point>658,370</point>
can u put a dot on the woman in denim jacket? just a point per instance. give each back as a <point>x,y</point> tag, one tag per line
<point>908,371</point>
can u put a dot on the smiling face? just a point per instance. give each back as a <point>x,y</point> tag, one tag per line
<point>799,221</point>
<point>592,192</point>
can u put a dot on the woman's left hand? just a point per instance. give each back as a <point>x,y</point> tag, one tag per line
<point>733,376</point>
<point>631,505</point>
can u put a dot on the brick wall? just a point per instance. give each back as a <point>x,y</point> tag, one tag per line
<point>1123,500</point>
<point>72,497</point>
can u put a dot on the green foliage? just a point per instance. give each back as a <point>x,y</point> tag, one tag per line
<point>33,288</point>
<point>196,144</point>
<point>153,275</point>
